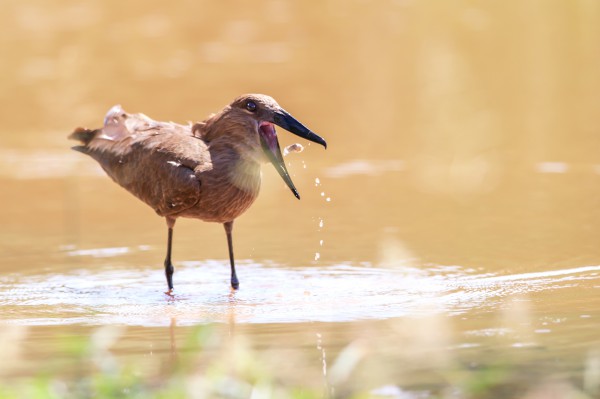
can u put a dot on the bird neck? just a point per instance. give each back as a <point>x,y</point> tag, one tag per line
<point>229,131</point>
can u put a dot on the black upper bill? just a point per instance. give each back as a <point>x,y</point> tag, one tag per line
<point>289,123</point>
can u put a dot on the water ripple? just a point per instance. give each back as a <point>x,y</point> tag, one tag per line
<point>340,292</point>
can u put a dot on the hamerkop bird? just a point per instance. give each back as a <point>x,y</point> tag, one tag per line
<point>209,170</point>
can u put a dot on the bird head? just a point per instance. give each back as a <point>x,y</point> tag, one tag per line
<point>266,113</point>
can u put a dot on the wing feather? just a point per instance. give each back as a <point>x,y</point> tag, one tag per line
<point>155,161</point>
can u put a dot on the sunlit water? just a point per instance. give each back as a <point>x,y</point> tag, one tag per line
<point>269,294</point>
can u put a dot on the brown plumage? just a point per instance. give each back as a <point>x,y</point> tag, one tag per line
<point>209,170</point>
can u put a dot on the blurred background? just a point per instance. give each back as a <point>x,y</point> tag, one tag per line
<point>464,144</point>
<point>471,109</point>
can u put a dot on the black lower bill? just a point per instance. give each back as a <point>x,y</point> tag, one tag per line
<point>270,145</point>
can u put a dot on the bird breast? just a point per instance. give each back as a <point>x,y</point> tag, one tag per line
<point>227,189</point>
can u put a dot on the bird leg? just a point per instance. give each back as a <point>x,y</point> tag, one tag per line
<point>228,229</point>
<point>168,265</point>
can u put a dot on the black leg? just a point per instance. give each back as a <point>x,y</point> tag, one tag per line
<point>169,269</point>
<point>235,284</point>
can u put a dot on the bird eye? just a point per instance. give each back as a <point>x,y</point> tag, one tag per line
<point>251,106</point>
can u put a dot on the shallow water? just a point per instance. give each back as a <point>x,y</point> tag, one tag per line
<point>451,226</point>
<point>271,294</point>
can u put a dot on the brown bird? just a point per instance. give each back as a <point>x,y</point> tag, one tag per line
<point>209,170</point>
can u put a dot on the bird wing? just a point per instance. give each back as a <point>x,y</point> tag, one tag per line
<point>153,160</point>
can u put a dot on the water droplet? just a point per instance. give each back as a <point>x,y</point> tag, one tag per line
<point>322,193</point>
<point>328,199</point>
<point>317,182</point>
<point>292,148</point>
<point>317,255</point>
<point>321,223</point>
<point>321,242</point>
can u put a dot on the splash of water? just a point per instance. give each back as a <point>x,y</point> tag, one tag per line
<point>133,296</point>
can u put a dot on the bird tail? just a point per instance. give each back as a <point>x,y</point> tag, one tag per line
<point>84,136</point>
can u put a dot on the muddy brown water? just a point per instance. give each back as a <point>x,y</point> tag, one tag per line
<point>452,223</point>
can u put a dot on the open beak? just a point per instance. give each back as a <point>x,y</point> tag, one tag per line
<point>270,143</point>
